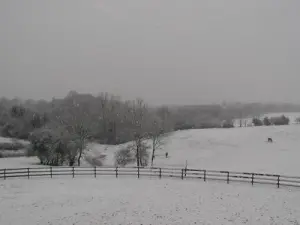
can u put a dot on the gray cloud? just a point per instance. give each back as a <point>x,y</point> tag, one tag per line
<point>169,51</point>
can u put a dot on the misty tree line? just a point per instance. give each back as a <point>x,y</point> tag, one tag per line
<point>60,130</point>
<point>266,121</point>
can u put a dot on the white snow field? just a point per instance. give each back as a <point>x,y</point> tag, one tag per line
<point>111,201</point>
<point>127,200</point>
<point>19,162</point>
<point>236,149</point>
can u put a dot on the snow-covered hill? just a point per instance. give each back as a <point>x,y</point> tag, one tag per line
<point>240,149</point>
<point>127,200</point>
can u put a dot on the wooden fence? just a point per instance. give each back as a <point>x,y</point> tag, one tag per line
<point>205,175</point>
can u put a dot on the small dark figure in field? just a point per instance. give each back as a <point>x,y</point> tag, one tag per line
<point>270,140</point>
<point>167,154</point>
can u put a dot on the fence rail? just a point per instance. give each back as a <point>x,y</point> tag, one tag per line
<point>205,175</point>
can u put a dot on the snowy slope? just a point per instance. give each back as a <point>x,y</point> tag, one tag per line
<point>127,200</point>
<point>19,162</point>
<point>240,149</point>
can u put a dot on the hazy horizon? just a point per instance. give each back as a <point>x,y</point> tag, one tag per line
<point>166,52</point>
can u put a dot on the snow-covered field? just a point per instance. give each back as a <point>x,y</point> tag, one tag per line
<point>88,201</point>
<point>126,200</point>
<point>238,149</point>
<point>19,162</point>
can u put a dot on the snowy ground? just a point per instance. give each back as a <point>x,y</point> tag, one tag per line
<point>126,200</point>
<point>19,162</point>
<point>10,140</point>
<point>5,140</point>
<point>238,149</point>
<point>88,201</point>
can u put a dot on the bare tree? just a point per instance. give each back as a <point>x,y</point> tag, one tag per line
<point>157,136</point>
<point>140,150</point>
<point>73,116</point>
<point>124,156</point>
<point>110,116</point>
<point>138,114</point>
<point>114,118</point>
<point>104,101</point>
<point>241,119</point>
<point>83,136</point>
<point>164,114</point>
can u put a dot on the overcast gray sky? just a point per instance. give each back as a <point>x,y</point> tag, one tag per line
<point>165,51</point>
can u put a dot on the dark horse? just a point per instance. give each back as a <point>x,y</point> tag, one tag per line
<point>270,140</point>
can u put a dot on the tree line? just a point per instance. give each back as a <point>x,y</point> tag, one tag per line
<point>60,130</point>
<point>266,121</point>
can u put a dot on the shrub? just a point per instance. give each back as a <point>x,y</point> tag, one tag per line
<point>144,155</point>
<point>95,161</point>
<point>208,125</point>
<point>29,151</point>
<point>267,121</point>
<point>16,129</point>
<point>124,156</point>
<point>227,124</point>
<point>281,120</point>
<point>183,126</point>
<point>48,147</point>
<point>257,122</point>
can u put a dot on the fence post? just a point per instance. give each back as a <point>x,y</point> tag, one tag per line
<point>252,179</point>
<point>51,171</point>
<point>28,174</point>
<point>73,172</point>
<point>182,174</point>
<point>95,171</point>
<point>116,172</point>
<point>138,172</point>
<point>204,175</point>
<point>159,173</point>
<point>278,181</point>
<point>227,177</point>
<point>4,174</point>
<point>185,171</point>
